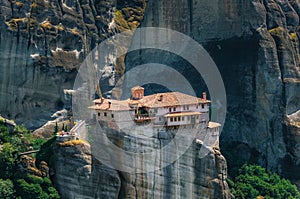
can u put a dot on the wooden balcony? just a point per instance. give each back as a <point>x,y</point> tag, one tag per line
<point>140,118</point>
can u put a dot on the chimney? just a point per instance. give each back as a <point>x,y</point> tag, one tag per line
<point>101,100</point>
<point>160,98</point>
<point>204,95</point>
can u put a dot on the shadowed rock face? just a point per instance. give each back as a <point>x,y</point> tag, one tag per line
<point>43,43</point>
<point>256,48</point>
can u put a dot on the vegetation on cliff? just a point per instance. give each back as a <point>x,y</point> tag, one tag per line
<point>255,182</point>
<point>20,178</point>
<point>247,180</point>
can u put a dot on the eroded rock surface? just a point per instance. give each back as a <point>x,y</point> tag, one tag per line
<point>255,45</point>
<point>43,43</point>
<point>79,175</point>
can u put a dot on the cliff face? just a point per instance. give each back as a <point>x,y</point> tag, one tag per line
<point>256,48</point>
<point>254,43</point>
<point>78,175</point>
<point>42,43</point>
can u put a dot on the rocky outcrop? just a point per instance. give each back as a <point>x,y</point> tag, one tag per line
<point>62,120</point>
<point>292,138</point>
<point>79,175</point>
<point>255,45</point>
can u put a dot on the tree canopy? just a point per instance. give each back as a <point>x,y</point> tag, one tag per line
<point>6,189</point>
<point>254,181</point>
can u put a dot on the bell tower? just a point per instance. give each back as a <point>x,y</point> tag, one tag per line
<point>137,92</point>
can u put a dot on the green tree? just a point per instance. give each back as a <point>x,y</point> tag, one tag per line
<point>254,181</point>
<point>53,194</point>
<point>8,156</point>
<point>36,187</point>
<point>4,134</point>
<point>26,185</point>
<point>29,190</point>
<point>20,129</point>
<point>6,189</point>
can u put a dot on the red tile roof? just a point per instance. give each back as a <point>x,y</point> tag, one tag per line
<point>152,101</point>
<point>115,105</point>
<point>170,99</point>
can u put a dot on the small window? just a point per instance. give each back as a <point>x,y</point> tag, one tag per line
<point>98,114</point>
<point>197,117</point>
<point>112,116</point>
<point>178,119</point>
<point>159,119</point>
<point>182,118</point>
<point>105,114</point>
<point>197,107</point>
<point>202,105</point>
<point>171,119</point>
<point>170,110</point>
<point>175,119</point>
<point>174,109</point>
<point>187,107</point>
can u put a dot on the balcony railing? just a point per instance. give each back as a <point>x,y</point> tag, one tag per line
<point>143,118</point>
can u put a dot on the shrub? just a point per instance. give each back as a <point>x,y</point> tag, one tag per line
<point>4,134</point>
<point>120,21</point>
<point>20,129</point>
<point>8,155</point>
<point>33,5</point>
<point>19,4</point>
<point>293,36</point>
<point>59,27</point>
<point>276,31</point>
<point>74,31</point>
<point>6,189</point>
<point>71,143</point>
<point>46,25</point>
